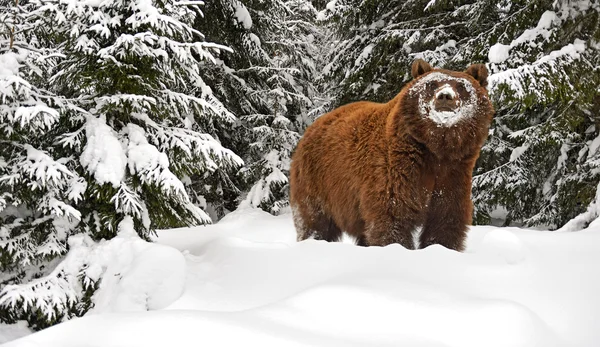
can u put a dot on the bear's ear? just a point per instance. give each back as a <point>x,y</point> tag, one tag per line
<point>420,67</point>
<point>479,72</point>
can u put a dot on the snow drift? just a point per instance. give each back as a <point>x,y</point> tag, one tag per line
<point>248,282</point>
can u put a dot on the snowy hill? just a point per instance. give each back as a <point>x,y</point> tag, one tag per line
<point>245,281</point>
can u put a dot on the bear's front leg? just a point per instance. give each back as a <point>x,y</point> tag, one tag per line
<point>450,211</point>
<point>391,211</point>
<point>387,230</point>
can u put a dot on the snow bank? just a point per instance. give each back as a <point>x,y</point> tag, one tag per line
<point>247,282</point>
<point>136,275</point>
<point>13,331</point>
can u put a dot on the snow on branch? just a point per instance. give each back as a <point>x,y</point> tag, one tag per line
<point>520,78</point>
<point>43,171</point>
<point>103,156</point>
<point>127,201</point>
<point>588,219</point>
<point>151,165</point>
<point>188,3</point>
<point>192,143</point>
<point>38,116</point>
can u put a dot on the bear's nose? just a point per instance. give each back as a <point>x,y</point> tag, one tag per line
<point>445,93</point>
<point>444,96</point>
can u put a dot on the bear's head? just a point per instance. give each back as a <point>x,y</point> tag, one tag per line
<point>447,110</point>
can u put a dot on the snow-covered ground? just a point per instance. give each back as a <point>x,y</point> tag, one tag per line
<point>247,282</point>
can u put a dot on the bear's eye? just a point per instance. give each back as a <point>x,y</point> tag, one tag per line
<point>460,87</point>
<point>431,85</point>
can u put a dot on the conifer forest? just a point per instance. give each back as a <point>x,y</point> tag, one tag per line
<point>143,115</point>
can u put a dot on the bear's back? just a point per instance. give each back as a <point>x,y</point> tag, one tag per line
<point>346,134</point>
<point>347,122</point>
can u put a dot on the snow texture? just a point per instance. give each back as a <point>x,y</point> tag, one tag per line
<point>465,110</point>
<point>247,282</point>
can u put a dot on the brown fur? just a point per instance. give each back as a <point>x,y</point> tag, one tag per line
<point>378,171</point>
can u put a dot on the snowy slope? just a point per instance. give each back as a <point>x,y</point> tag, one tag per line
<point>249,283</point>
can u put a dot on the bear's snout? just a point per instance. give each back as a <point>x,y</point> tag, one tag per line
<point>446,99</point>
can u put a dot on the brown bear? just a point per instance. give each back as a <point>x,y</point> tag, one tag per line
<point>382,172</point>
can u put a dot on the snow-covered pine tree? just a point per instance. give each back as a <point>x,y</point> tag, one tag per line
<point>268,81</point>
<point>540,163</point>
<point>377,41</point>
<point>37,190</point>
<point>110,138</point>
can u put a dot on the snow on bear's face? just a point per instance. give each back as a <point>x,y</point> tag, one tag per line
<point>444,99</point>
